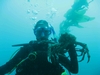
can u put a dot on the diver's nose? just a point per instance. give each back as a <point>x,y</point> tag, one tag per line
<point>42,34</point>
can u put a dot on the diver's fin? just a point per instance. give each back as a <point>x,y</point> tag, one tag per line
<point>81,12</point>
<point>90,1</point>
<point>69,12</point>
<point>25,44</point>
<point>85,18</point>
<point>77,25</point>
<point>20,44</point>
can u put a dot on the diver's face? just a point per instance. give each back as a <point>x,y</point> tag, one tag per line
<point>42,32</point>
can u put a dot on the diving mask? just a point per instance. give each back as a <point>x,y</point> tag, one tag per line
<point>42,31</point>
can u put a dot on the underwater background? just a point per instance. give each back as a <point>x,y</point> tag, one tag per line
<point>17,19</point>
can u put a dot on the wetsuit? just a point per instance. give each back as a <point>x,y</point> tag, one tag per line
<point>40,66</point>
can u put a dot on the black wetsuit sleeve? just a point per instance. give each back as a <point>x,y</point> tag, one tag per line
<point>7,67</point>
<point>72,63</point>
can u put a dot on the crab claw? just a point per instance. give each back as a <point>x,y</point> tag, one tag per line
<point>88,57</point>
<point>82,57</point>
<point>83,51</point>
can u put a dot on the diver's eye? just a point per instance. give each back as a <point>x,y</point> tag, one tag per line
<point>39,31</point>
<point>46,31</point>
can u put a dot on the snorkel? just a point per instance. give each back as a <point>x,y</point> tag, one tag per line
<point>54,33</point>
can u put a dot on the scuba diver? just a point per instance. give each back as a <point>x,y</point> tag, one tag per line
<point>43,56</point>
<point>76,15</point>
<point>80,4</point>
